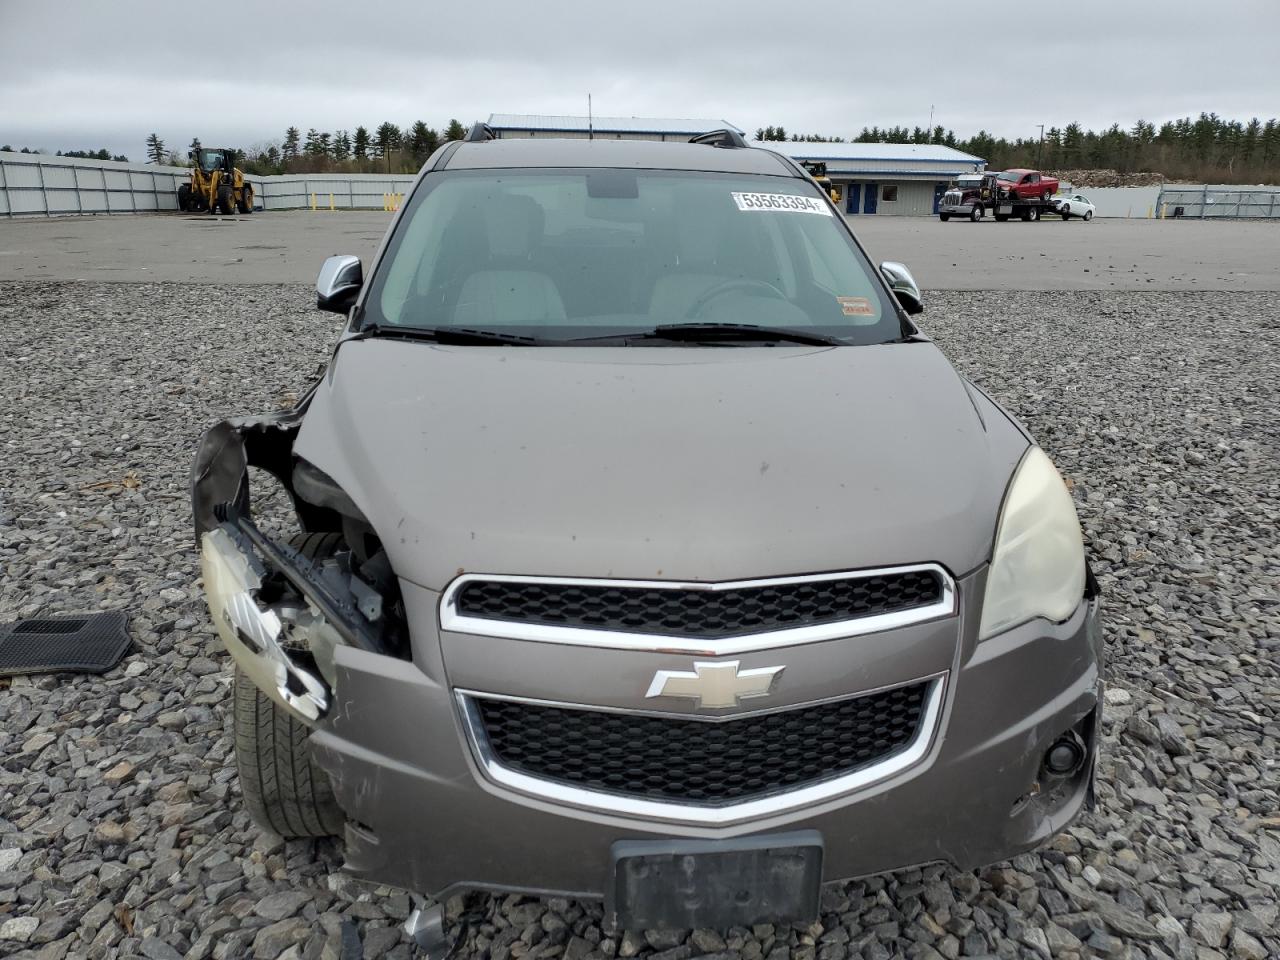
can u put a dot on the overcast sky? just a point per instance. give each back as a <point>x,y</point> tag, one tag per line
<point>77,74</point>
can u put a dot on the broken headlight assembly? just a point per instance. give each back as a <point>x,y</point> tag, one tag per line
<point>1038,565</point>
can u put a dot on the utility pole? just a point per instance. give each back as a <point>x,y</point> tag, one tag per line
<point>1040,149</point>
<point>591,133</point>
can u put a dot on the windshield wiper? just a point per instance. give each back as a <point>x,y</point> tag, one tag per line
<point>462,336</point>
<point>741,332</point>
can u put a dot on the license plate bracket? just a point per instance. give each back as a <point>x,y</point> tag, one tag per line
<point>688,884</point>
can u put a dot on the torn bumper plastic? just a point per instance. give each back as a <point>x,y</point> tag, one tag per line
<point>253,633</point>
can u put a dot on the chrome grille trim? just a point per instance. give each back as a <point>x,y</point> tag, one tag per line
<point>451,620</point>
<point>697,814</point>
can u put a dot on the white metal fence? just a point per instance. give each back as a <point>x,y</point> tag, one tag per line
<point>33,184</point>
<point>1210,201</point>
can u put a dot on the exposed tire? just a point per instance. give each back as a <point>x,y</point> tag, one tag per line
<point>184,197</point>
<point>976,213</point>
<point>284,791</point>
<point>1033,214</point>
<point>1088,215</point>
<point>226,199</point>
<point>245,201</point>
<point>944,217</point>
<point>1025,216</point>
<point>1046,195</point>
<point>1066,211</point>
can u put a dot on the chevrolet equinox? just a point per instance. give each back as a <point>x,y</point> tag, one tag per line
<point>646,551</point>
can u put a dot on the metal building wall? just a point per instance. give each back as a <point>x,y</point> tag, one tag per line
<point>1219,202</point>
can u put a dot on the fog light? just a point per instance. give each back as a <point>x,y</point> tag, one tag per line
<point>1065,756</point>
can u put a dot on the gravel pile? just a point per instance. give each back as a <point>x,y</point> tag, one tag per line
<point>121,831</point>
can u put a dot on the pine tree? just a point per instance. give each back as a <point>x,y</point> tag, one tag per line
<point>360,144</point>
<point>422,141</point>
<point>454,131</point>
<point>155,149</point>
<point>341,146</point>
<point>194,149</point>
<point>289,151</point>
<point>387,138</point>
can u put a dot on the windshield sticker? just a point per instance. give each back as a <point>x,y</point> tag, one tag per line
<point>856,307</point>
<point>781,202</point>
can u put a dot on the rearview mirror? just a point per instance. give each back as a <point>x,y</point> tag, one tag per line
<point>339,283</point>
<point>903,285</point>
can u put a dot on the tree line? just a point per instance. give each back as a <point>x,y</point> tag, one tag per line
<point>386,149</point>
<point>1207,149</point>
<point>103,154</point>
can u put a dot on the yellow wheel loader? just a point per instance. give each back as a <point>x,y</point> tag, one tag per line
<point>217,185</point>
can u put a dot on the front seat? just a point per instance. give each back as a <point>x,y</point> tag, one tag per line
<point>509,292</point>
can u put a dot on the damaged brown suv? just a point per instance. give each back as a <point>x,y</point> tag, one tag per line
<point>646,550</point>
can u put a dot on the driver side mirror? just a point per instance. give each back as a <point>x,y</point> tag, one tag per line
<point>903,285</point>
<point>339,283</point>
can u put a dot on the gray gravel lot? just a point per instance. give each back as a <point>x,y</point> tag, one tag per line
<point>121,832</point>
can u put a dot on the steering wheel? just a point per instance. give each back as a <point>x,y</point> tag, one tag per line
<point>732,286</point>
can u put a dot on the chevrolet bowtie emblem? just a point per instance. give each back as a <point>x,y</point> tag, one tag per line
<point>715,684</point>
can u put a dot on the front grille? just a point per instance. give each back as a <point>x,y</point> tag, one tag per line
<point>699,762</point>
<point>685,612</point>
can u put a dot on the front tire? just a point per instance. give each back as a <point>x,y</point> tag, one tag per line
<point>284,790</point>
<point>184,197</point>
<point>226,200</point>
<point>976,213</point>
<point>1088,215</point>
<point>944,217</point>
<point>244,203</point>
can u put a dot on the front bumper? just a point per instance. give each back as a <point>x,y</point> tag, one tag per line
<point>956,209</point>
<point>423,815</point>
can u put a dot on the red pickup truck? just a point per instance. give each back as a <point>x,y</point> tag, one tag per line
<point>1025,185</point>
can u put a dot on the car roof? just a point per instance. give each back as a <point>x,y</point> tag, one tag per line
<point>615,154</point>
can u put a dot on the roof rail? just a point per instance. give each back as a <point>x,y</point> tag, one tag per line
<point>480,132</point>
<point>720,138</point>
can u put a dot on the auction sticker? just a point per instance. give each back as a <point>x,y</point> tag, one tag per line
<point>856,307</point>
<point>781,202</point>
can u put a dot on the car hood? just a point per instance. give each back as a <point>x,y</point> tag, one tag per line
<point>688,463</point>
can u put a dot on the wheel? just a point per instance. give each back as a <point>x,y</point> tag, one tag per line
<point>944,217</point>
<point>976,213</point>
<point>184,197</point>
<point>1025,216</point>
<point>1033,214</point>
<point>1088,215</point>
<point>1046,195</point>
<point>226,199</point>
<point>245,201</point>
<point>1066,211</point>
<point>284,791</point>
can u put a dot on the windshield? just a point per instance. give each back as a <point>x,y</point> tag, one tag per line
<point>578,254</point>
<point>1009,177</point>
<point>210,160</point>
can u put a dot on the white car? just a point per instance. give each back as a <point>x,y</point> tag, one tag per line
<point>1073,206</point>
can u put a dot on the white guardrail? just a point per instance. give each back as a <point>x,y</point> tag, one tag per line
<point>34,184</point>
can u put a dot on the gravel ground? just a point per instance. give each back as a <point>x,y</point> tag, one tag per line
<point>121,832</point>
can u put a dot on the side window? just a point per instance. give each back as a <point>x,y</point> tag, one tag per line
<point>1032,178</point>
<point>889,194</point>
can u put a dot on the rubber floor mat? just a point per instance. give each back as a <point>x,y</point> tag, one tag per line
<point>82,643</point>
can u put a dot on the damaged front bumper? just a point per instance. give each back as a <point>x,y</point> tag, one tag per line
<point>425,814</point>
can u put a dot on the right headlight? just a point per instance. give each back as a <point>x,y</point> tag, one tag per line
<point>1037,569</point>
